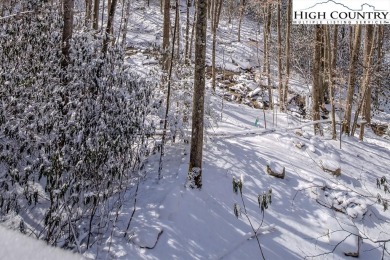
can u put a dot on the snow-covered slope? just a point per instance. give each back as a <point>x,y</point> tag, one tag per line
<point>16,246</point>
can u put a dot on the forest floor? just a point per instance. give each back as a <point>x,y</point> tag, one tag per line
<point>313,213</point>
<point>325,207</point>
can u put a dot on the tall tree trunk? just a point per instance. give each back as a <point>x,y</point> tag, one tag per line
<point>267,51</point>
<point>125,23</point>
<point>67,32</point>
<point>88,12</point>
<point>110,21</point>
<point>288,32</point>
<point>195,165</point>
<point>215,21</point>
<point>166,28</point>
<point>169,90</point>
<point>96,15</point>
<point>187,31</point>
<point>365,90</point>
<point>368,45</point>
<point>331,68</point>
<point>193,30</point>
<point>177,38</point>
<point>379,48</point>
<point>242,7</point>
<point>280,85</point>
<point>352,78</point>
<point>316,78</point>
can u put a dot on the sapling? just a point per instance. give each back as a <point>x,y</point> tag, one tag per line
<point>264,200</point>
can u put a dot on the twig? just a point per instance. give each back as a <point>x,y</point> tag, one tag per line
<point>134,208</point>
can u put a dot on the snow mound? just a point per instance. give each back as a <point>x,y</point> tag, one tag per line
<point>16,246</point>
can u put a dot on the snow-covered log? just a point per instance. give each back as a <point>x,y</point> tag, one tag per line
<point>276,170</point>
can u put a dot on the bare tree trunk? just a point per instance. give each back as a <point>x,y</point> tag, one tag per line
<point>215,21</point>
<point>316,78</point>
<point>67,32</point>
<point>242,7</point>
<point>88,12</point>
<point>368,53</point>
<point>177,25</point>
<point>288,32</point>
<point>169,90</point>
<point>379,48</point>
<point>96,15</point>
<point>333,80</point>
<point>195,165</point>
<point>365,90</point>
<point>280,85</point>
<point>187,30</point>
<point>230,11</point>
<point>193,29</point>
<point>125,23</point>
<point>331,68</point>
<point>166,28</point>
<point>110,21</point>
<point>267,51</point>
<point>352,79</point>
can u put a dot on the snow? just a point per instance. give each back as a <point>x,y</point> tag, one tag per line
<point>16,246</point>
<point>311,211</point>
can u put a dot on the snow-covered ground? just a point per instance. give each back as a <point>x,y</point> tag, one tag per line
<point>314,212</point>
<point>15,246</point>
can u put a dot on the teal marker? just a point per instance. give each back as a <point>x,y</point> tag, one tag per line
<point>257,121</point>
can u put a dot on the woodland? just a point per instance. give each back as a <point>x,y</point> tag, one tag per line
<point>193,129</point>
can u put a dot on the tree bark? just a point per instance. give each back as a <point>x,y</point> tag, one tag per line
<point>193,30</point>
<point>125,23</point>
<point>67,32</point>
<point>195,165</point>
<point>88,12</point>
<point>166,28</point>
<point>187,31</point>
<point>215,21</point>
<point>110,21</point>
<point>280,85</point>
<point>352,78</point>
<point>331,68</point>
<point>95,25</point>
<point>365,90</point>
<point>368,52</point>
<point>267,51</point>
<point>379,48</point>
<point>242,7</point>
<point>288,32</point>
<point>316,78</point>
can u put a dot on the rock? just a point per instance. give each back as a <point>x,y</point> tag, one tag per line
<point>276,170</point>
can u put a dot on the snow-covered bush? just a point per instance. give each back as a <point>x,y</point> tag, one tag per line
<point>69,147</point>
